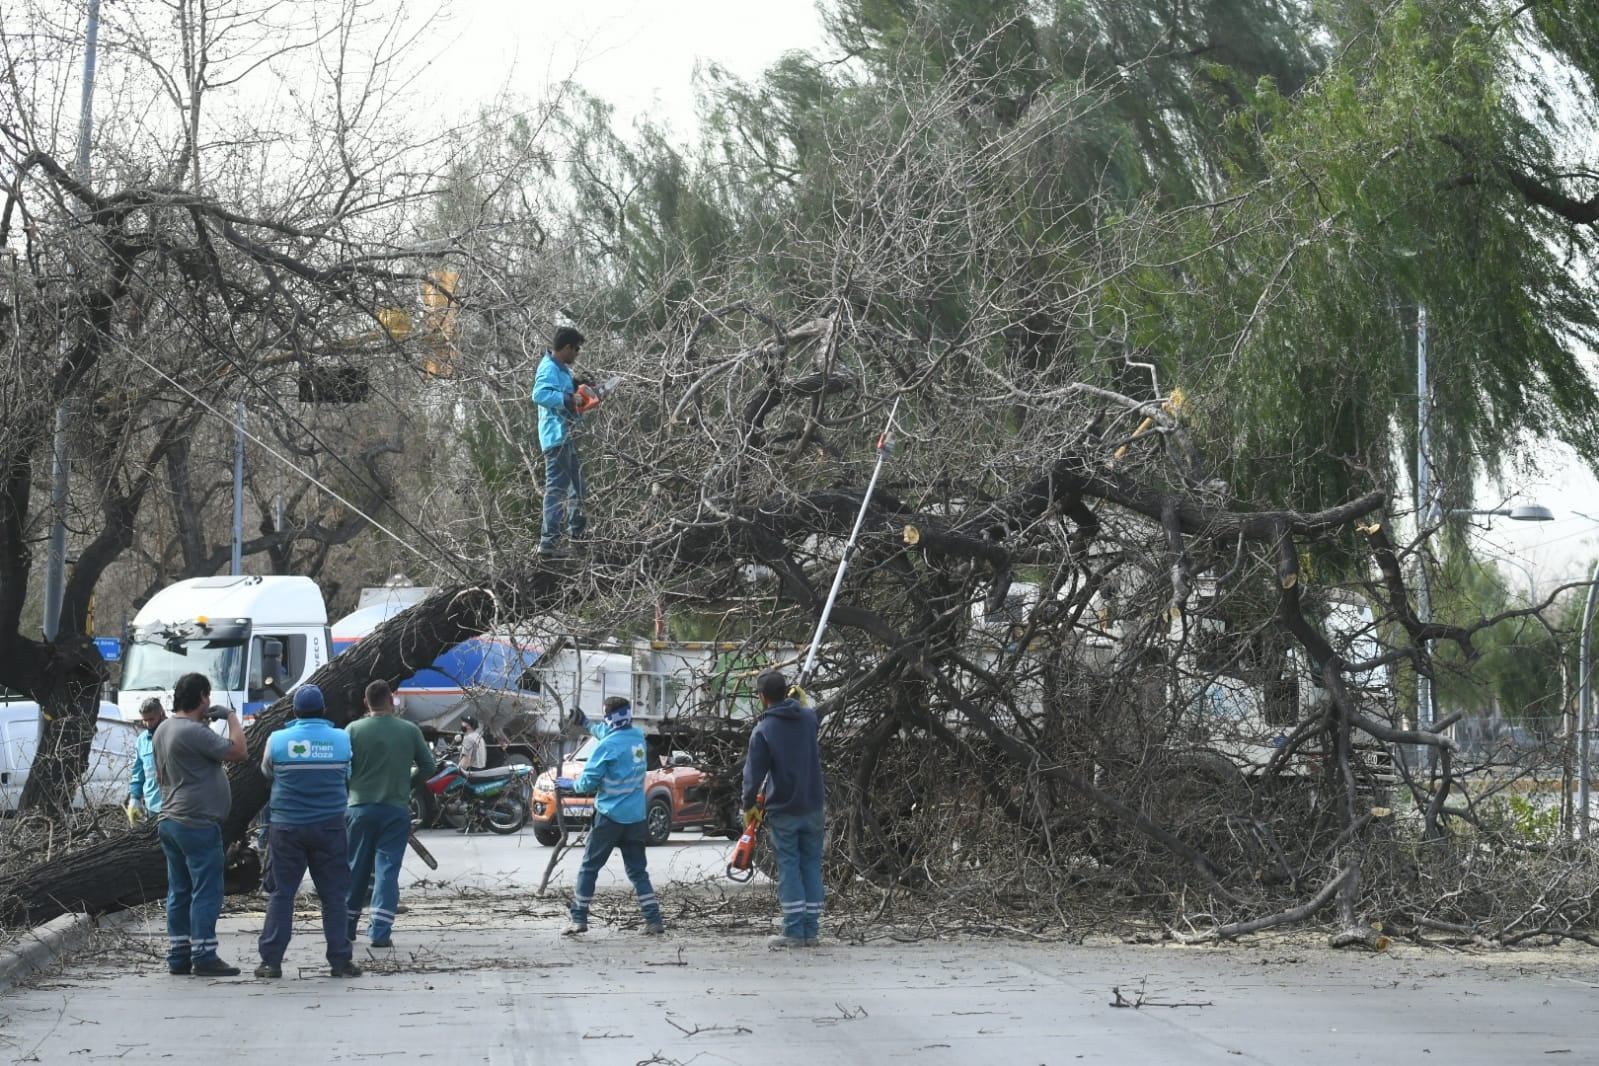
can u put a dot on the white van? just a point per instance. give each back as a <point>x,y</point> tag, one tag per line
<point>111,754</point>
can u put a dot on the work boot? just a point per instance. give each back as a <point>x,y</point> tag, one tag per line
<point>782,942</point>
<point>575,928</point>
<point>269,969</point>
<point>813,941</point>
<point>382,942</point>
<point>213,967</point>
<point>655,928</point>
<point>179,970</point>
<point>345,969</point>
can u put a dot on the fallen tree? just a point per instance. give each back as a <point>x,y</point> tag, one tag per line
<point>920,645</point>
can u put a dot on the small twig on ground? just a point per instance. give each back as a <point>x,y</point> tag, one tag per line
<point>737,1029</point>
<point>1142,1001</point>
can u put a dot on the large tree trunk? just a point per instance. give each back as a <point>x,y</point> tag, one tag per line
<point>69,674</point>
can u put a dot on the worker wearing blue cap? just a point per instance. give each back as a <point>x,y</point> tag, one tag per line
<point>308,763</point>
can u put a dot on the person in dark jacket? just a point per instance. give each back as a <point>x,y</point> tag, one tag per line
<point>785,758</point>
<point>308,763</point>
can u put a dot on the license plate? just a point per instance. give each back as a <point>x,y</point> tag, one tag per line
<point>574,810</point>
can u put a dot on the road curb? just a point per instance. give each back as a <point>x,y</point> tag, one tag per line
<point>51,944</point>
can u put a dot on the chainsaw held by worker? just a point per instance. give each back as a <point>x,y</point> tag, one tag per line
<point>423,853</point>
<point>589,396</point>
<point>741,866</point>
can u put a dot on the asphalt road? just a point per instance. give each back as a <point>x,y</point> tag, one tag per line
<point>481,974</point>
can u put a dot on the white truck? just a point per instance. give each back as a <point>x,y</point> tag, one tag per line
<point>256,638</point>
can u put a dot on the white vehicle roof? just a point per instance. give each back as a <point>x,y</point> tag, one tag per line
<point>360,622</point>
<point>398,596</point>
<point>265,600</point>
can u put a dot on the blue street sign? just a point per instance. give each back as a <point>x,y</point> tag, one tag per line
<point>110,648</point>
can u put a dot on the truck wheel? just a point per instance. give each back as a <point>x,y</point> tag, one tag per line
<point>658,820</point>
<point>547,835</point>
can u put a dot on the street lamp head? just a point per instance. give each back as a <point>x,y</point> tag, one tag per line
<point>1531,512</point>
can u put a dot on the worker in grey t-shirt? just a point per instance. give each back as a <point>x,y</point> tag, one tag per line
<point>194,799</point>
<point>194,786</point>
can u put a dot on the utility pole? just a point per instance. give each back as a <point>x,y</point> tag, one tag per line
<point>1424,518</point>
<point>238,491</point>
<point>1585,704</point>
<point>55,574</point>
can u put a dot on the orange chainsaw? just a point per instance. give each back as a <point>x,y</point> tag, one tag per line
<point>741,866</point>
<point>590,396</point>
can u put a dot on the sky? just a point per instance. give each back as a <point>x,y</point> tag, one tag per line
<point>1557,552</point>
<point>640,55</point>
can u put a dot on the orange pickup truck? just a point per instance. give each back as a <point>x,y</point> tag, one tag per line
<point>678,796</point>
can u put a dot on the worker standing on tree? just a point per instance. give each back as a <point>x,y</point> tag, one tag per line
<point>144,791</point>
<point>194,799</point>
<point>386,755</point>
<point>308,763</point>
<point>555,392</point>
<point>785,758</point>
<point>615,774</point>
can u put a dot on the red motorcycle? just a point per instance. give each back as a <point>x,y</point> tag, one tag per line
<point>495,799</point>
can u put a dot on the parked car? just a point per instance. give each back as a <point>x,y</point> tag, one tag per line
<point>111,754</point>
<point>678,796</point>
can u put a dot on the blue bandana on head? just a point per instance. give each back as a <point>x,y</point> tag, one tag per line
<point>620,716</point>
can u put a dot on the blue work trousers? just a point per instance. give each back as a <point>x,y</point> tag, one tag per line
<point>605,835</point>
<point>291,850</point>
<point>797,840</point>
<point>563,496</point>
<point>194,890</point>
<point>378,832</point>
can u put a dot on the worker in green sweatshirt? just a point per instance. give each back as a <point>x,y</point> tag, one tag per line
<point>388,756</point>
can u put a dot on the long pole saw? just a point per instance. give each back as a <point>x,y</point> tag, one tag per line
<point>741,865</point>
<point>885,445</point>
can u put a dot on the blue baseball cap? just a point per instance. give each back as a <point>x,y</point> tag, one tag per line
<point>308,700</point>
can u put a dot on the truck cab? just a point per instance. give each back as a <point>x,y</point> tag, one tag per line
<point>256,637</point>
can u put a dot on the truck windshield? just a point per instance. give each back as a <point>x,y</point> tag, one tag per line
<point>157,667</point>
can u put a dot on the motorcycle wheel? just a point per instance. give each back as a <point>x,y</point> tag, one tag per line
<point>424,809</point>
<point>506,815</point>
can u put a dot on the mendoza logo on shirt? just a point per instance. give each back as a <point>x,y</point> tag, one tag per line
<point>638,753</point>
<point>306,749</point>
